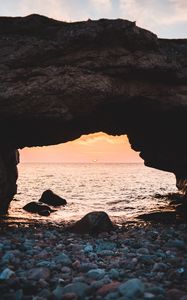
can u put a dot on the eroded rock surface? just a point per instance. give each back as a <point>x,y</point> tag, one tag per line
<point>8,177</point>
<point>60,80</point>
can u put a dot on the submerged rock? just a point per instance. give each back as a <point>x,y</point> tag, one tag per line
<point>50,198</point>
<point>45,213</point>
<point>165,217</point>
<point>93,222</point>
<point>182,208</point>
<point>39,208</point>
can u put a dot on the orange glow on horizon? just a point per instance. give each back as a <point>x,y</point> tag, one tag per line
<point>93,148</point>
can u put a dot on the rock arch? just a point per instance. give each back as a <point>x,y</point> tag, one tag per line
<point>60,80</point>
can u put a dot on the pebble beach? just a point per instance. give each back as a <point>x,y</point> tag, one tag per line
<point>135,261</point>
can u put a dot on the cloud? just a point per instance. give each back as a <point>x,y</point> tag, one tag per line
<point>102,6</point>
<point>180,11</point>
<point>91,139</point>
<point>149,13</point>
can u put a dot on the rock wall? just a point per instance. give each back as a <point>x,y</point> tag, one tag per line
<point>60,80</point>
<point>181,183</point>
<point>8,177</point>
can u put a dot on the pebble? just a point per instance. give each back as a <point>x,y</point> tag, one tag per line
<point>38,273</point>
<point>63,259</point>
<point>159,267</point>
<point>106,253</point>
<point>177,244</point>
<point>96,284</point>
<point>19,294</point>
<point>66,270</point>
<point>108,288</point>
<point>113,296</point>
<point>156,290</point>
<point>142,251</point>
<point>132,288</point>
<point>136,262</point>
<point>78,288</point>
<point>113,274</point>
<point>70,296</point>
<point>6,274</point>
<point>43,283</point>
<point>148,295</point>
<point>96,274</point>
<point>146,259</point>
<point>84,267</point>
<point>45,293</point>
<point>103,245</point>
<point>58,292</point>
<point>175,294</point>
<point>88,249</point>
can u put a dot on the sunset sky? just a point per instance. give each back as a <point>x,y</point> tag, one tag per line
<point>92,148</point>
<point>166,18</point>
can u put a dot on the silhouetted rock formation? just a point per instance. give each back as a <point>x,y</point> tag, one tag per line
<point>50,198</point>
<point>8,177</point>
<point>39,208</point>
<point>93,222</point>
<point>60,80</point>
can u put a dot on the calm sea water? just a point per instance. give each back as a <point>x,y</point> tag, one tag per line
<point>122,190</point>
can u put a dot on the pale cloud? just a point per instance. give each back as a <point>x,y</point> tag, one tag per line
<point>149,13</point>
<point>102,6</point>
<point>101,137</point>
<point>180,11</point>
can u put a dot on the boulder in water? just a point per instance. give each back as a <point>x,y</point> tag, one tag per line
<point>93,222</point>
<point>35,207</point>
<point>44,212</point>
<point>50,198</point>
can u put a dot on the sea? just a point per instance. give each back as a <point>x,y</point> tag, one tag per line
<point>123,190</point>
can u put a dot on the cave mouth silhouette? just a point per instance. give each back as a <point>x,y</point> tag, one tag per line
<point>153,142</point>
<point>88,142</point>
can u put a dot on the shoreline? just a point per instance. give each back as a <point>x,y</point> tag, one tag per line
<point>48,262</point>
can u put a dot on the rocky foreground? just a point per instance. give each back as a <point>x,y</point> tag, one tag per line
<point>132,262</point>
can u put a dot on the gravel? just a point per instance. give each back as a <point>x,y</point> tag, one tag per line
<point>134,262</point>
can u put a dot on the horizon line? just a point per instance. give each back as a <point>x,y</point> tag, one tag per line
<point>93,163</point>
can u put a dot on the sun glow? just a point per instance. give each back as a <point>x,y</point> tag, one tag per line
<point>92,148</point>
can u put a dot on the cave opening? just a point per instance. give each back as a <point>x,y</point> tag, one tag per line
<point>95,172</point>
